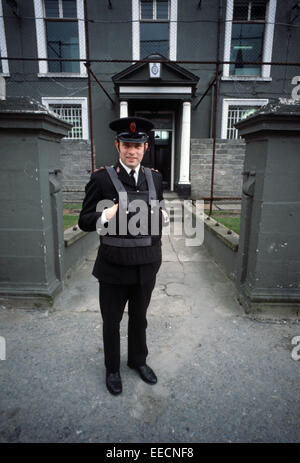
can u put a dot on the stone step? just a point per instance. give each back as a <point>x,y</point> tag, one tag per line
<point>170,195</point>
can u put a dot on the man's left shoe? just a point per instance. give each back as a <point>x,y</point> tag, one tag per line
<point>146,373</point>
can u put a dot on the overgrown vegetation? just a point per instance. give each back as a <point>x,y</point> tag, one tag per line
<point>71,212</point>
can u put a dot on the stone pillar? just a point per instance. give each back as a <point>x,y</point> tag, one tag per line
<point>184,185</point>
<point>123,109</point>
<point>31,230</point>
<point>269,248</point>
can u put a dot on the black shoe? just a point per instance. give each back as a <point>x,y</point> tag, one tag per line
<point>113,382</point>
<point>146,373</point>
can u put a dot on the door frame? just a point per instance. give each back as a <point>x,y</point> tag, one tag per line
<point>172,130</point>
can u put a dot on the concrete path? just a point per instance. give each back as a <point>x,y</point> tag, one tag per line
<point>222,377</point>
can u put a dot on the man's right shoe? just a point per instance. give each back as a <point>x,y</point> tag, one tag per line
<point>113,382</point>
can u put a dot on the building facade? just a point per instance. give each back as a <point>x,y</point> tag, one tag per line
<point>193,36</point>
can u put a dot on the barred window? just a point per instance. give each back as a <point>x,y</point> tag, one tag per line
<point>236,114</point>
<point>154,27</point>
<point>248,31</point>
<point>62,34</point>
<point>71,113</point>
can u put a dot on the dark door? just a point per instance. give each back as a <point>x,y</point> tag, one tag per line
<point>159,153</point>
<point>149,156</point>
<point>163,149</point>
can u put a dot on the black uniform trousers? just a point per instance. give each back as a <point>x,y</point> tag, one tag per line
<point>112,299</point>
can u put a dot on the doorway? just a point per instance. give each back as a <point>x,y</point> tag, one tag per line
<point>160,154</point>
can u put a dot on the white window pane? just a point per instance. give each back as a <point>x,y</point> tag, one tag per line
<point>71,114</point>
<point>246,45</point>
<point>69,8</point>
<point>154,39</point>
<point>162,9</point>
<point>146,9</point>
<point>258,10</point>
<point>240,10</point>
<point>63,42</point>
<point>235,114</point>
<point>52,8</point>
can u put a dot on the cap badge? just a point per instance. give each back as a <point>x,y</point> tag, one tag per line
<point>132,126</point>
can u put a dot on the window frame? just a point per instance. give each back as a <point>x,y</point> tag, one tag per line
<point>41,36</point>
<point>154,19</point>
<point>227,102</point>
<point>268,39</point>
<point>3,46</point>
<point>136,20</point>
<point>46,101</point>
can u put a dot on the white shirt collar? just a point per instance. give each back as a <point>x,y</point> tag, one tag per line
<point>128,169</point>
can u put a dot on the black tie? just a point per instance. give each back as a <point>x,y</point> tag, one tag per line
<point>132,172</point>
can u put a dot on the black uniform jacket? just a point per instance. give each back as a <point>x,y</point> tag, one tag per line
<point>98,188</point>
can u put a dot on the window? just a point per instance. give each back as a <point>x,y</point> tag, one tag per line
<point>72,110</point>
<point>154,28</point>
<point>161,135</point>
<point>3,51</point>
<point>236,110</point>
<point>60,34</point>
<point>249,34</point>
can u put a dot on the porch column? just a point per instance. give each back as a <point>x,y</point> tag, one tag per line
<point>123,108</point>
<point>184,185</point>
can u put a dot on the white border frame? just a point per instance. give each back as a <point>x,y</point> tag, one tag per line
<point>267,45</point>
<point>240,102</point>
<point>42,41</point>
<point>3,48</point>
<point>73,100</point>
<point>146,89</point>
<point>173,8</point>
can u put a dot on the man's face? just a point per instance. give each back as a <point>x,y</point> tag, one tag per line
<point>131,154</point>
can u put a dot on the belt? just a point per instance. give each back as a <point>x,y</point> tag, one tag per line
<point>126,242</point>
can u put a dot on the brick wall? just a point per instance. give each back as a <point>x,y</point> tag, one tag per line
<point>229,161</point>
<point>76,167</point>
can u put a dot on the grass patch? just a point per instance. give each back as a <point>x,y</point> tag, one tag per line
<point>71,212</point>
<point>72,207</point>
<point>70,220</point>
<point>233,223</point>
<point>229,219</point>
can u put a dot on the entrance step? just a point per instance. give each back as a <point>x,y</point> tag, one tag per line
<point>170,195</point>
<point>176,207</point>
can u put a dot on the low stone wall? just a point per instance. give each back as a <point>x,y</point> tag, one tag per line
<point>78,245</point>
<point>76,167</point>
<point>229,161</point>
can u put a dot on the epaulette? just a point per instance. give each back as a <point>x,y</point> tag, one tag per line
<point>155,170</point>
<point>100,168</point>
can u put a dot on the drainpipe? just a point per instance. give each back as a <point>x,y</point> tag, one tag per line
<point>215,109</point>
<point>2,88</point>
<point>87,47</point>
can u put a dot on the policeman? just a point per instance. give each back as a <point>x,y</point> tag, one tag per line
<point>126,264</point>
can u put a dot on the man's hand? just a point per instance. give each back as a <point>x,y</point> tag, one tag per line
<point>165,216</point>
<point>110,212</point>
